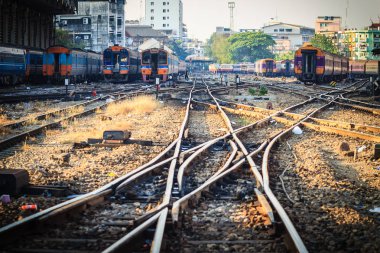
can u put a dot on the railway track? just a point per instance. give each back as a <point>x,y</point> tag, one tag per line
<point>208,193</point>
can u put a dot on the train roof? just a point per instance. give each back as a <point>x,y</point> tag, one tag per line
<point>309,46</point>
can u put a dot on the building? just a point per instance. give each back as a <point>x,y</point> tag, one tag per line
<point>328,24</point>
<point>166,16</point>
<point>288,37</point>
<point>359,44</point>
<point>220,30</point>
<point>194,47</point>
<point>100,23</point>
<point>31,23</point>
<point>79,26</point>
<point>248,30</point>
<point>136,35</point>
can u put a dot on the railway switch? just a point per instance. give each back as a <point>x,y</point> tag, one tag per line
<point>13,180</point>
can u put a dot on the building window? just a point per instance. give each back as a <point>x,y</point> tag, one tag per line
<point>151,11</point>
<point>164,18</point>
<point>151,3</point>
<point>289,30</point>
<point>152,18</point>
<point>152,25</point>
<point>275,30</point>
<point>281,29</point>
<point>112,18</point>
<point>167,25</point>
<point>167,10</point>
<point>164,25</point>
<point>164,10</point>
<point>164,3</point>
<point>119,21</point>
<point>85,21</point>
<point>167,17</point>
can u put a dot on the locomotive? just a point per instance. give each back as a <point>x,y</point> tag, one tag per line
<point>265,67</point>
<point>158,62</point>
<point>313,65</point>
<point>120,63</point>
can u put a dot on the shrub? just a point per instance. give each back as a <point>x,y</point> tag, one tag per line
<point>252,91</point>
<point>263,90</point>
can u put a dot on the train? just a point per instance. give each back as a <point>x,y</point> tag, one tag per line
<point>60,63</point>
<point>364,68</point>
<point>262,67</point>
<point>313,65</point>
<point>120,64</point>
<point>20,65</point>
<point>265,67</point>
<point>285,68</point>
<point>158,63</point>
<point>56,63</point>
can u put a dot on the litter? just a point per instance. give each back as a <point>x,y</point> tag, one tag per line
<point>375,210</point>
<point>297,130</point>
<point>32,207</point>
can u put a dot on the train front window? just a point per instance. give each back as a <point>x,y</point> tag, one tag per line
<point>162,58</point>
<point>146,58</point>
<point>124,57</point>
<point>107,57</point>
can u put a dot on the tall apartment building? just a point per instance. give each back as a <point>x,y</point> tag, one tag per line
<point>99,23</point>
<point>328,24</point>
<point>166,16</point>
<point>358,44</point>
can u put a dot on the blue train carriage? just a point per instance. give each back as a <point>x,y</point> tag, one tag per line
<point>60,63</point>
<point>120,64</point>
<point>78,62</point>
<point>12,65</point>
<point>94,65</point>
<point>34,64</point>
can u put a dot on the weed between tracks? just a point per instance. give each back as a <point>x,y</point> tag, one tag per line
<point>143,104</point>
<point>115,117</point>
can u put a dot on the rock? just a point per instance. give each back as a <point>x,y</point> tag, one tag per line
<point>344,147</point>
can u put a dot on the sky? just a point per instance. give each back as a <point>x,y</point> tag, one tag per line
<point>203,16</point>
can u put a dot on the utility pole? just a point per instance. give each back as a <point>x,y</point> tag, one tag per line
<point>231,6</point>
<point>345,24</point>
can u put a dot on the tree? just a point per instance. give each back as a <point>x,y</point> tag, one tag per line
<point>218,48</point>
<point>325,43</point>
<point>177,49</point>
<point>284,56</point>
<point>250,46</point>
<point>64,38</point>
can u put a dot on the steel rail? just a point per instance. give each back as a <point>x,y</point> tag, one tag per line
<point>5,143</point>
<point>162,208</point>
<point>49,114</point>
